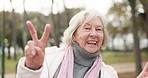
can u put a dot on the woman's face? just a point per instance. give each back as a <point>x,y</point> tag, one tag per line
<point>90,36</point>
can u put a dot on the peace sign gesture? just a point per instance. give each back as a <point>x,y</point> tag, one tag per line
<point>35,48</point>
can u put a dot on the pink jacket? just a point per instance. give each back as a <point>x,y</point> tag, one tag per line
<point>53,58</point>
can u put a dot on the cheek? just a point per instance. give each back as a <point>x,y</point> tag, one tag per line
<point>81,39</point>
<point>102,38</point>
<point>84,37</point>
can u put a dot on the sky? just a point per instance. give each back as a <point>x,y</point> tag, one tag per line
<point>43,6</point>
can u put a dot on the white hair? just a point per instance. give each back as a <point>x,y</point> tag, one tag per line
<point>79,20</point>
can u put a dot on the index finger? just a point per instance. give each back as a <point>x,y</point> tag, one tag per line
<point>32,30</point>
<point>46,33</point>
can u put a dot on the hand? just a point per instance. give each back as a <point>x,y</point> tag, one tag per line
<point>35,48</point>
<point>144,73</point>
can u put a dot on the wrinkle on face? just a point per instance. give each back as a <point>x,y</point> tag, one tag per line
<point>90,35</point>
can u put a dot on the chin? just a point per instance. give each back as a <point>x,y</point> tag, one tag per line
<point>92,51</point>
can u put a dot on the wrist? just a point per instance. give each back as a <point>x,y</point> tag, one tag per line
<point>33,67</point>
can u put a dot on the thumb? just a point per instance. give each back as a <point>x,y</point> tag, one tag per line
<point>39,52</point>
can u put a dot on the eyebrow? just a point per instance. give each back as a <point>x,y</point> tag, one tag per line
<point>87,24</point>
<point>97,25</point>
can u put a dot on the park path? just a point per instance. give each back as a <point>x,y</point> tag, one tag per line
<point>11,75</point>
<point>120,68</point>
<point>125,67</point>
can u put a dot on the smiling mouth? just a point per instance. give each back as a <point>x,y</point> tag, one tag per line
<point>92,43</point>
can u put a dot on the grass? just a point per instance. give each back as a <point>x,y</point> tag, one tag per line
<point>10,65</point>
<point>109,57</point>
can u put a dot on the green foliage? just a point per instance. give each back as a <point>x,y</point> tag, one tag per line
<point>120,23</point>
<point>39,20</point>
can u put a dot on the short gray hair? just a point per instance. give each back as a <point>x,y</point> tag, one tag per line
<point>80,19</point>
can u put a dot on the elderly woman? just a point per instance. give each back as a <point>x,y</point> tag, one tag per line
<point>80,56</point>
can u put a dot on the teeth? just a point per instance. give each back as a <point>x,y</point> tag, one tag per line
<point>92,42</point>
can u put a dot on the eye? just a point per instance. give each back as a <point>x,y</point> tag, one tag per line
<point>87,28</point>
<point>99,29</point>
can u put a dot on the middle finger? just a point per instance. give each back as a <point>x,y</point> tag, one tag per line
<point>32,30</point>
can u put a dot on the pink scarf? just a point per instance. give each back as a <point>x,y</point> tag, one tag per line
<point>66,70</point>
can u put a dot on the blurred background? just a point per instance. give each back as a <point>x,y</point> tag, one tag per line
<point>126,21</point>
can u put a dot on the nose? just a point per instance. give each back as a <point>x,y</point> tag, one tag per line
<point>93,33</point>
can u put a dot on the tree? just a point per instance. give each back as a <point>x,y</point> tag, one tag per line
<point>119,24</point>
<point>60,22</point>
<point>144,16</point>
<point>56,25</point>
<point>136,38</point>
<point>3,45</point>
<point>121,10</point>
<point>24,35</point>
<point>13,31</point>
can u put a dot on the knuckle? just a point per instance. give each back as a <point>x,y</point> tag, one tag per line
<point>29,42</point>
<point>26,47</point>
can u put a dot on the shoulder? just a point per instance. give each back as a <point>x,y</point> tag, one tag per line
<point>54,53</point>
<point>53,49</point>
<point>107,69</point>
<point>53,58</point>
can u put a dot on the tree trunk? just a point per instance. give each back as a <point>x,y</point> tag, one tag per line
<point>3,47</point>
<point>113,45</point>
<point>136,38</point>
<point>67,13</point>
<point>13,34</point>
<point>24,36</point>
<point>124,43</point>
<point>144,16</point>
<point>56,27</point>
<point>10,42</point>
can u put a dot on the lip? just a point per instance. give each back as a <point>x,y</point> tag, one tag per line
<point>92,41</point>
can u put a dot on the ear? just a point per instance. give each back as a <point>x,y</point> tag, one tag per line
<point>73,37</point>
<point>103,42</point>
